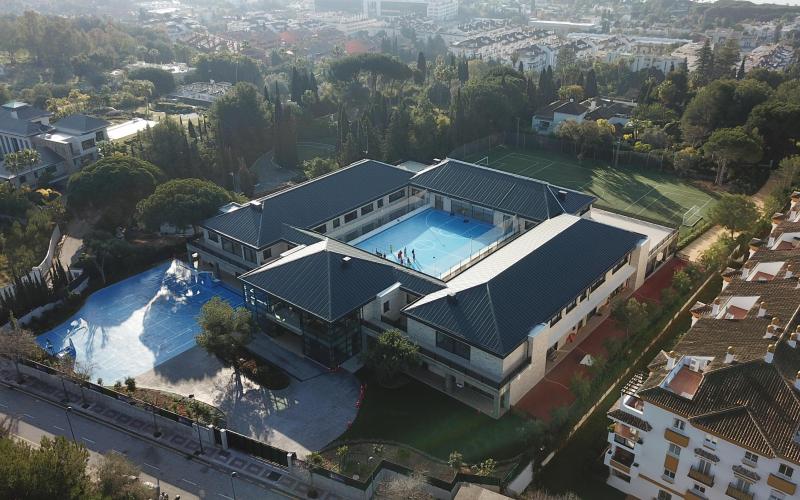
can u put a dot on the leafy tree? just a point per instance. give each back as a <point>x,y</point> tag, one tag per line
<point>17,343</point>
<point>632,315</point>
<point>21,161</point>
<point>117,478</point>
<point>729,146</point>
<point>778,121</point>
<point>167,146</point>
<point>319,166</point>
<point>655,112</point>
<point>182,203</point>
<point>226,67</point>
<point>734,212</point>
<point>114,185</point>
<point>586,135</point>
<point>573,92</point>
<point>224,331</point>
<point>726,58</point>
<point>455,460</point>
<point>391,354</point>
<point>241,121</point>
<point>105,251</point>
<point>163,81</point>
<point>723,103</point>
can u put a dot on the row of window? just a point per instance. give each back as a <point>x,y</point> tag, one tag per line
<point>585,295</point>
<point>449,344</point>
<point>710,441</point>
<point>366,209</point>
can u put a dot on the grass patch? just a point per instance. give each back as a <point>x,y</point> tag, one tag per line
<point>424,418</point>
<point>176,403</point>
<point>637,191</point>
<point>310,150</point>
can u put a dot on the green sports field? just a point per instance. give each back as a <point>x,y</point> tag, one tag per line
<point>643,192</point>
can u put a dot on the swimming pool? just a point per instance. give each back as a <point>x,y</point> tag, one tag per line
<point>130,327</point>
<point>433,240</point>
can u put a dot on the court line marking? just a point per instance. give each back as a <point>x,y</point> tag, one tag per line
<point>59,428</point>
<point>88,440</point>
<point>187,481</point>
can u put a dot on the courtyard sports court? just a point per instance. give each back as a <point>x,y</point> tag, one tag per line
<point>128,328</point>
<point>639,192</point>
<point>432,241</point>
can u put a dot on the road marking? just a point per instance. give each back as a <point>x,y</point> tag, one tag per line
<point>224,496</point>
<point>59,428</point>
<point>187,481</point>
<point>88,440</point>
<point>26,415</point>
<point>4,405</point>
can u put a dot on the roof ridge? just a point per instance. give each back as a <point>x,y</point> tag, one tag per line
<point>494,314</point>
<point>760,430</point>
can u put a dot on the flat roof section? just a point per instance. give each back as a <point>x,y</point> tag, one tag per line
<point>654,232</point>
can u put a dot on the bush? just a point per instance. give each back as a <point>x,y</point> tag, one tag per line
<point>130,384</point>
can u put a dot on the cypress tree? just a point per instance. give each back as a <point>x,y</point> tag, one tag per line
<point>740,73</point>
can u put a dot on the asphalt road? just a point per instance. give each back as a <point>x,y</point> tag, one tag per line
<point>30,418</point>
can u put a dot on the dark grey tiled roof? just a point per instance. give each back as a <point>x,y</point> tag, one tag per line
<point>624,416</point>
<point>510,193</point>
<point>24,110</point>
<point>22,128</point>
<point>320,282</point>
<point>82,123</point>
<point>498,315</point>
<point>310,203</point>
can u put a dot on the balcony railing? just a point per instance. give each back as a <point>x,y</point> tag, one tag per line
<point>230,259</point>
<point>734,492</point>
<point>701,477</point>
<point>624,442</point>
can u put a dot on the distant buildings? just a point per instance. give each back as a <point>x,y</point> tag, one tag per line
<point>776,57</point>
<point>64,146</point>
<point>547,119</point>
<point>201,93</point>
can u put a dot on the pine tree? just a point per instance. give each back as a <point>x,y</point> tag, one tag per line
<point>740,73</point>
<point>590,87</point>
<point>521,67</point>
<point>422,66</point>
<point>266,93</point>
<point>705,65</point>
<point>294,86</point>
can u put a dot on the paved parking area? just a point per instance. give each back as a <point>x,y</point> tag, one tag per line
<point>304,417</point>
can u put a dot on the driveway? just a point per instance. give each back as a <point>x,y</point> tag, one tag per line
<point>304,417</point>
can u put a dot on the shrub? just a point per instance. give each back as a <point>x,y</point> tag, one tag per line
<point>130,384</point>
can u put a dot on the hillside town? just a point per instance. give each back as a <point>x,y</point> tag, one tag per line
<point>399,249</point>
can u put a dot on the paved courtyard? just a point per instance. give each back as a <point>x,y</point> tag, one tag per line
<point>304,417</point>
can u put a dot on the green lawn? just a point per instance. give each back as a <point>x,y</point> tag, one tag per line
<point>643,192</point>
<point>426,419</point>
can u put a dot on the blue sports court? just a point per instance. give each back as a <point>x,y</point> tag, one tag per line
<point>132,326</point>
<point>432,241</point>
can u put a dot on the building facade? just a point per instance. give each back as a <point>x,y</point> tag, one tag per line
<point>719,415</point>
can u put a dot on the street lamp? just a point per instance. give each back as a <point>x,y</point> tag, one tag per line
<point>67,411</point>
<point>156,432</point>
<point>233,488</point>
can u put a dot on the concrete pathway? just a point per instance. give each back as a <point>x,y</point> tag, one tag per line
<point>304,417</point>
<point>72,243</point>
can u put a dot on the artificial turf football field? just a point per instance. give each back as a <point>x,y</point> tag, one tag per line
<point>637,191</point>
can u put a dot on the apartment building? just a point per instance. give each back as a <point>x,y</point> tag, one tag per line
<point>719,415</point>
<point>475,266</point>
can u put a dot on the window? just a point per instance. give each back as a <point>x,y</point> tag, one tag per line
<point>87,144</point>
<point>620,265</point>
<point>704,467</point>
<point>710,442</point>
<point>750,458</point>
<point>674,450</point>
<point>267,254</point>
<point>249,254</point>
<point>776,495</point>
<point>598,283</point>
<point>669,475</point>
<point>336,223</point>
<point>321,229</point>
<point>698,488</point>
<point>98,136</point>
<point>572,305</point>
<point>397,195</point>
<point>450,344</point>
<point>678,424</point>
<point>414,191</point>
<point>663,495</point>
<point>785,471</point>
<point>555,319</point>
<point>350,217</point>
<point>213,236</point>
<point>367,209</point>
<point>380,202</point>
<point>231,246</point>
<point>386,306</point>
<point>742,485</point>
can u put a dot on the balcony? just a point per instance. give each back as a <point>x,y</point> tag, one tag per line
<point>781,484</point>
<point>677,438</point>
<point>701,477</point>
<point>694,495</point>
<point>622,460</point>
<point>624,435</point>
<point>734,492</point>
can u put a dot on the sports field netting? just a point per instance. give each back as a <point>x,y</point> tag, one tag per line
<point>639,192</point>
